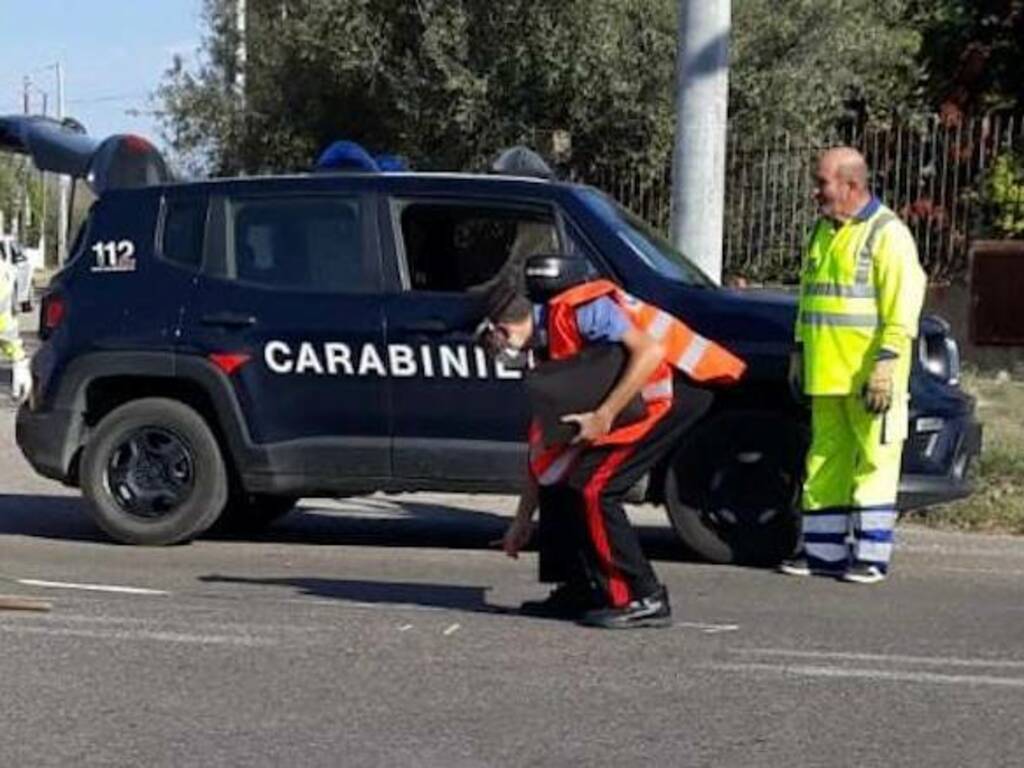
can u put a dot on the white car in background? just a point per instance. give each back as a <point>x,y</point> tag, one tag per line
<point>14,257</point>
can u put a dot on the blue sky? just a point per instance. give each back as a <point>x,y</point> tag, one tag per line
<point>114,54</point>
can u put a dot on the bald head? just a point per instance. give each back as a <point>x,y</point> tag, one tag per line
<point>841,183</point>
<point>848,163</point>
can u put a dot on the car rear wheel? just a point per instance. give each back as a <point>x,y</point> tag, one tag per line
<point>154,473</point>
<point>732,491</point>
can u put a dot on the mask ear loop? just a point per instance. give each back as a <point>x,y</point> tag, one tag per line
<point>491,337</point>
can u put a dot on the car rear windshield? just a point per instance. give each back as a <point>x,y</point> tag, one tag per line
<point>645,241</point>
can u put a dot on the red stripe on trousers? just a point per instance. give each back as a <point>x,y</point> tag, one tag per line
<point>618,589</point>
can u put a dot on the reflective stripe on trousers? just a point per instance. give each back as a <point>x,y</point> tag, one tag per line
<point>824,536</point>
<point>873,536</point>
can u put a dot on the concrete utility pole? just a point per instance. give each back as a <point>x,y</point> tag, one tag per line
<point>698,163</point>
<point>42,176</point>
<point>22,221</point>
<point>62,215</point>
<point>241,53</point>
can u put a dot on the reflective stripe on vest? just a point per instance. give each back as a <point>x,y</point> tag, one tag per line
<point>864,257</point>
<point>845,291</point>
<point>691,357</point>
<point>549,465</point>
<point>839,320</point>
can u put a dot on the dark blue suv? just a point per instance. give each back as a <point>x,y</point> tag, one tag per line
<point>215,350</point>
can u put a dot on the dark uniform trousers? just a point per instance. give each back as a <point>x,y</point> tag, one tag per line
<point>584,535</point>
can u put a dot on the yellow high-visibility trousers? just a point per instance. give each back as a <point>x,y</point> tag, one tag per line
<point>852,478</point>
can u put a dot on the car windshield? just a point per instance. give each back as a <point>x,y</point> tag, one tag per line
<point>646,242</point>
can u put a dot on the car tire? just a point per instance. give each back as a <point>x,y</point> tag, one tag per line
<point>153,473</point>
<point>252,512</point>
<point>732,490</point>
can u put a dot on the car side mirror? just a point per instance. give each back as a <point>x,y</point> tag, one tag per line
<point>548,274</point>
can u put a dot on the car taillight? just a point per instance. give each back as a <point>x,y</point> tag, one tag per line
<point>51,314</point>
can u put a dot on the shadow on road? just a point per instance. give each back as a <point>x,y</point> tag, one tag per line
<point>378,592</point>
<point>48,517</point>
<point>371,522</point>
<point>418,524</point>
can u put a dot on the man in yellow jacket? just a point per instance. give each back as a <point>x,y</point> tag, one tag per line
<point>11,347</point>
<point>861,292</point>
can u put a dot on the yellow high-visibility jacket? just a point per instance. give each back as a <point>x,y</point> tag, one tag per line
<point>10,342</point>
<point>861,291</point>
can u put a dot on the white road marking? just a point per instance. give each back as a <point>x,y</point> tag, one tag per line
<point>939,661</point>
<point>707,629</point>
<point>986,571</point>
<point>91,587</point>
<point>139,634</point>
<point>808,670</point>
<point>451,630</point>
<point>1014,552</point>
<point>405,628</point>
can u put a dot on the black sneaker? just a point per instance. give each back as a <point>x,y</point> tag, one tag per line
<point>568,601</point>
<point>795,566</point>
<point>651,611</point>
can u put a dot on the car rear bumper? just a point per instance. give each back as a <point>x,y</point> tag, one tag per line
<point>49,441</point>
<point>924,489</point>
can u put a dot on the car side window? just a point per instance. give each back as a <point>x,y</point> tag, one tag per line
<point>458,247</point>
<point>184,223</point>
<point>306,243</point>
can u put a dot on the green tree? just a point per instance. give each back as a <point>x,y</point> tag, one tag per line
<point>809,66</point>
<point>448,83</point>
<point>971,54</point>
<point>20,184</point>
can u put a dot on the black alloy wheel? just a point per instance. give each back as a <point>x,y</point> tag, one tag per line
<point>151,472</point>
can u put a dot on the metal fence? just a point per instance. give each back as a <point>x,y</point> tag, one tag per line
<point>937,176</point>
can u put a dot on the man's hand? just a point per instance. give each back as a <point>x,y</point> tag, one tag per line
<point>796,373</point>
<point>593,425</point>
<point>878,390</point>
<point>517,536</point>
<point>21,381</point>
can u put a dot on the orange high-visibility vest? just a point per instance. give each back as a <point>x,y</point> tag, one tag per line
<point>698,357</point>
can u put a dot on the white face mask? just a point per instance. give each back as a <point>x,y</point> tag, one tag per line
<point>513,358</point>
<point>500,347</point>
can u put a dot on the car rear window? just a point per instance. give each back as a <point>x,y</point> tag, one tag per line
<point>312,243</point>
<point>184,224</point>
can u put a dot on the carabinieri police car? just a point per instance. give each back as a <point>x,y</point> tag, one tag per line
<point>219,349</point>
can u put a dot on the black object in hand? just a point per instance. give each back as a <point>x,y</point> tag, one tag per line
<point>579,384</point>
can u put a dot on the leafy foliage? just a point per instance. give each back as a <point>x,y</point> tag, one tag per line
<point>443,82</point>
<point>1004,194</point>
<point>18,186</point>
<point>449,82</point>
<point>808,66</point>
<point>971,53</point>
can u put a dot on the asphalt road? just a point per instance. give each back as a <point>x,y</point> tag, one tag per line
<point>378,631</point>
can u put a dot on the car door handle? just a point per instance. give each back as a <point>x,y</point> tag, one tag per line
<point>432,325</point>
<point>229,319</point>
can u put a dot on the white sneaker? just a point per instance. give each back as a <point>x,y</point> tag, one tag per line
<point>795,566</point>
<point>862,573</point>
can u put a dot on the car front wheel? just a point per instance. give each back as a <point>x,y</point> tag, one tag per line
<point>732,490</point>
